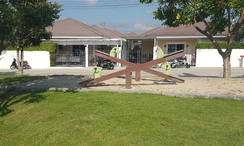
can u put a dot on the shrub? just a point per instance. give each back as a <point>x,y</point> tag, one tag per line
<point>223,45</point>
<point>51,47</point>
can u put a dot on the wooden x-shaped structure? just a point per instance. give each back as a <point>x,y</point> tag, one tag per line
<point>131,67</point>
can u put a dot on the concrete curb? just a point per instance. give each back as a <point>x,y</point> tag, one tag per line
<point>186,95</point>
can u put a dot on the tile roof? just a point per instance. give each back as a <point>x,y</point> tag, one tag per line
<point>182,30</point>
<point>145,34</point>
<point>119,33</point>
<point>72,27</point>
<point>132,34</point>
<point>107,32</point>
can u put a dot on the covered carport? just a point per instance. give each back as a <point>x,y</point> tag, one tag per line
<point>85,57</point>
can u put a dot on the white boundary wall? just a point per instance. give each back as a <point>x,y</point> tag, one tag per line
<point>36,59</point>
<point>211,58</point>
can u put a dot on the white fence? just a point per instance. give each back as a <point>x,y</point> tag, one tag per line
<point>41,59</point>
<point>211,58</point>
<point>36,59</point>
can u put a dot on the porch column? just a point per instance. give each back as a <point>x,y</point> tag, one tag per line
<point>154,49</point>
<point>93,51</point>
<point>86,51</point>
<point>119,55</point>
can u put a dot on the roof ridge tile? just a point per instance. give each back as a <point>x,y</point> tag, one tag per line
<point>87,26</point>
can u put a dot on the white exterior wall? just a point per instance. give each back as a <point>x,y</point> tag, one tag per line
<point>211,58</point>
<point>36,59</point>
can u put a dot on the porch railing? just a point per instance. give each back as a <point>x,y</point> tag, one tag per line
<point>68,59</point>
<point>137,57</point>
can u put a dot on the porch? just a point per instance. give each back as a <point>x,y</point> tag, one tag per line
<point>81,52</point>
<point>80,58</point>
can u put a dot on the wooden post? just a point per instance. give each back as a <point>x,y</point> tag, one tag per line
<point>128,78</point>
<point>138,75</point>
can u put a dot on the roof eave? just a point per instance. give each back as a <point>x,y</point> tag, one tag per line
<point>78,37</point>
<point>188,37</point>
<point>139,38</point>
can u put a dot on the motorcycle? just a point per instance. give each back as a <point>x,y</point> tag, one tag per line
<point>105,63</point>
<point>182,61</point>
<point>14,65</point>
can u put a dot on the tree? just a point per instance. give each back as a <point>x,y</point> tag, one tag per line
<point>31,17</point>
<point>219,12</point>
<point>240,37</point>
<point>6,24</point>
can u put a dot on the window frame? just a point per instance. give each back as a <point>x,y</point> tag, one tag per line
<point>79,48</point>
<point>175,43</point>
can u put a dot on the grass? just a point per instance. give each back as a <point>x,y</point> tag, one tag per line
<point>104,118</point>
<point>5,79</point>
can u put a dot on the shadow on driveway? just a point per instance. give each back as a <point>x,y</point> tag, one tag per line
<point>197,76</point>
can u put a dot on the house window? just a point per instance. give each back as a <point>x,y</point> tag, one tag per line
<point>175,47</point>
<point>78,49</point>
<point>60,47</point>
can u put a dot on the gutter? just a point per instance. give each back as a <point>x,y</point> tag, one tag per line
<point>77,37</point>
<point>186,37</point>
<point>139,38</point>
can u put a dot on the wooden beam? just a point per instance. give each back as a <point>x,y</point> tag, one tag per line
<point>169,77</point>
<point>134,67</point>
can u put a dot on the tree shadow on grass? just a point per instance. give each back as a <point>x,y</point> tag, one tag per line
<point>11,79</point>
<point>9,73</point>
<point>9,98</point>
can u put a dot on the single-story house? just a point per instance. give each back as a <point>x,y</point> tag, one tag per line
<point>77,40</point>
<point>171,39</point>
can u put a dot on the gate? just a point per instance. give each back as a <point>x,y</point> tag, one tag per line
<point>137,56</point>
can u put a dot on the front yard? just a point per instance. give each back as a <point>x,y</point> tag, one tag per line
<point>105,118</point>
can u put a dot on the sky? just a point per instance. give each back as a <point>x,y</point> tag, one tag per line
<point>125,16</point>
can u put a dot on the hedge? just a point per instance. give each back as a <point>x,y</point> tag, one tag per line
<point>223,45</point>
<point>44,46</point>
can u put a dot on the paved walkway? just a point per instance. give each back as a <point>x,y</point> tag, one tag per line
<point>180,72</point>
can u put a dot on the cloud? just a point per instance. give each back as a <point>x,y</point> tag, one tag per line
<point>91,2</point>
<point>142,27</point>
<point>149,12</point>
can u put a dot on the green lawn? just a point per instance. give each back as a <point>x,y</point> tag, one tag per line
<point>104,118</point>
<point>5,79</point>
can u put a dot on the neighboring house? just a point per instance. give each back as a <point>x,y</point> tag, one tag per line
<point>77,40</point>
<point>132,34</point>
<point>171,39</point>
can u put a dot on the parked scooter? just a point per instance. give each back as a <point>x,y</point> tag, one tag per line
<point>14,65</point>
<point>105,63</point>
<point>182,61</point>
